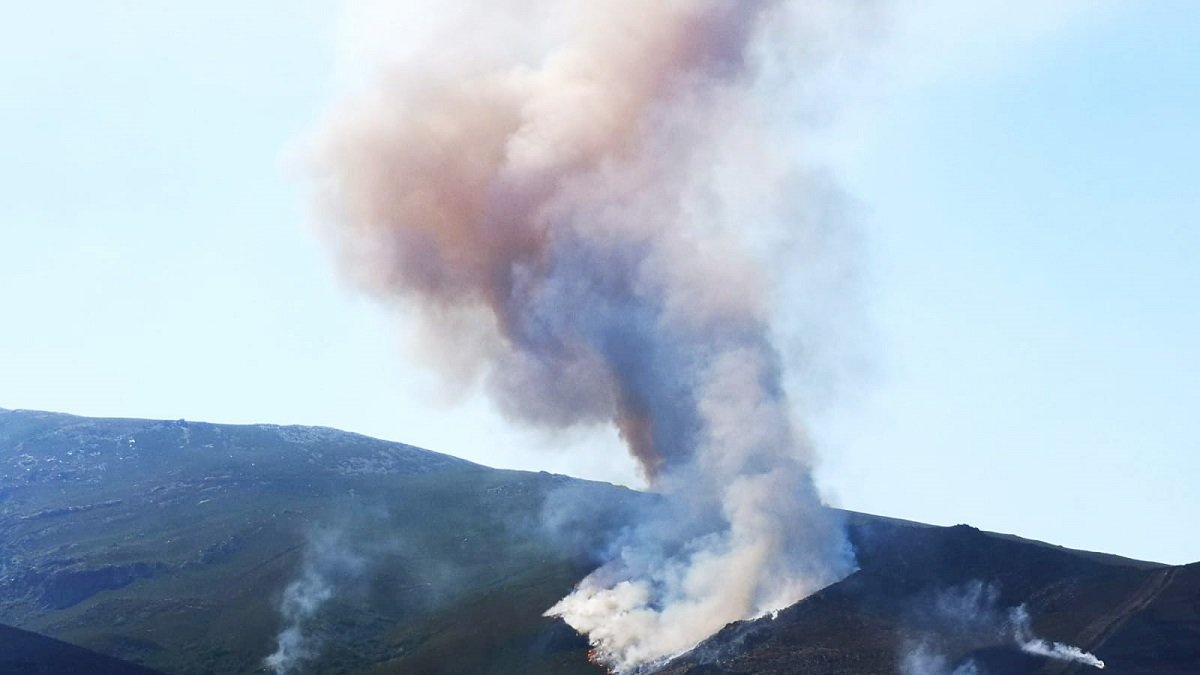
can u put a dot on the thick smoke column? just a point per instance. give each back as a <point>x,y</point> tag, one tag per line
<point>567,214</point>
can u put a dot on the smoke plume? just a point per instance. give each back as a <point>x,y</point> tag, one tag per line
<point>574,197</point>
<point>921,659</point>
<point>1023,634</point>
<point>327,561</point>
<point>966,618</point>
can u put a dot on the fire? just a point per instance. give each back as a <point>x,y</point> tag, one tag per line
<point>594,658</point>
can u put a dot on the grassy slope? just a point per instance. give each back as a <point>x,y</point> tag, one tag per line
<point>170,544</point>
<point>173,549</point>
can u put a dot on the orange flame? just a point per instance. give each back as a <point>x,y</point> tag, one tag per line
<point>594,658</point>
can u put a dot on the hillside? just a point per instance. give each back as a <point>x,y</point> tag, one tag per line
<point>25,653</point>
<point>1137,617</point>
<point>169,543</point>
<point>172,543</point>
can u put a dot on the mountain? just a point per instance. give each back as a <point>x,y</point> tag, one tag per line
<point>174,544</point>
<point>25,653</point>
<point>951,592</point>
<point>171,543</point>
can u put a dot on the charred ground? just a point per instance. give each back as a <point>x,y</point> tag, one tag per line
<point>1138,617</point>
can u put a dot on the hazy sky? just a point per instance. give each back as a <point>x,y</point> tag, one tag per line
<point>1024,182</point>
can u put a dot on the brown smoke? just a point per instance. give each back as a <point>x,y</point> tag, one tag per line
<point>557,213</point>
<point>454,191</point>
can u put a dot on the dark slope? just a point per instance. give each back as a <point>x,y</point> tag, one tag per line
<point>1138,617</point>
<point>25,653</point>
<point>1156,629</point>
<point>171,543</point>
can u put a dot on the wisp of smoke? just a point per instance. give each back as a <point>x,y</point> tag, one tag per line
<point>1023,634</point>
<point>921,659</point>
<point>574,215</point>
<point>966,616</point>
<point>326,560</point>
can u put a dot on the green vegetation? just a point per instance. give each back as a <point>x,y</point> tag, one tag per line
<point>170,544</point>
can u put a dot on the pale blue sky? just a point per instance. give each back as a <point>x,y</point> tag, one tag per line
<point>1025,181</point>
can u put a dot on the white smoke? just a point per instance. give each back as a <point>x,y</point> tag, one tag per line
<point>922,659</point>
<point>1030,644</point>
<point>580,199</point>
<point>966,618</point>
<point>667,590</point>
<point>327,562</point>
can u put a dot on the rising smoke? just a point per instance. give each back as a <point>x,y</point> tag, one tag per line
<point>328,563</point>
<point>922,659</point>
<point>574,200</point>
<point>967,618</point>
<point>1030,644</point>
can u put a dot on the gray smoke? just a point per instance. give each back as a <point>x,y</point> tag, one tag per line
<point>328,562</point>
<point>922,659</point>
<point>579,199</point>
<point>966,618</point>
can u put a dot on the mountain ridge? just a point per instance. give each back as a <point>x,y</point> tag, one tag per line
<point>171,544</point>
